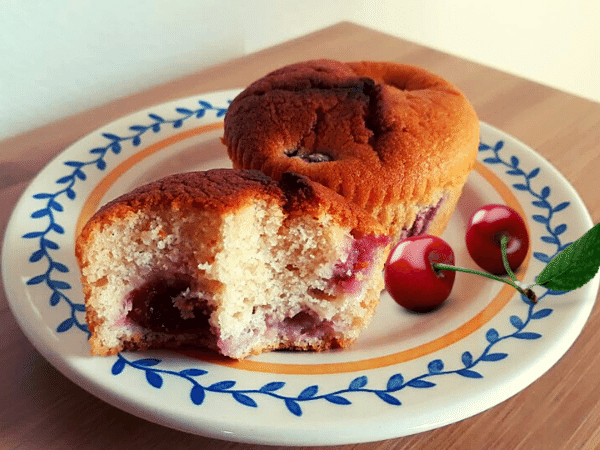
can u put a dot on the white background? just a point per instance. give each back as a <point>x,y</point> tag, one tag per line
<point>60,57</point>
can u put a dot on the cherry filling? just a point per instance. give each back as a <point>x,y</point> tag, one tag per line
<point>317,156</point>
<point>422,222</point>
<point>153,305</point>
<point>359,260</point>
<point>306,323</point>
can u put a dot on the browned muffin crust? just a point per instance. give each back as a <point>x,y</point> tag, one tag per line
<point>224,190</point>
<point>377,133</point>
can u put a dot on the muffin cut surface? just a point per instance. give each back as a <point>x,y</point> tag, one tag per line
<point>233,261</point>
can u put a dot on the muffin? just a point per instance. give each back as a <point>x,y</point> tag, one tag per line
<point>394,139</point>
<point>233,261</point>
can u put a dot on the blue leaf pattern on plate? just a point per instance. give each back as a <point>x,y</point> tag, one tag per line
<point>53,205</point>
<point>155,373</point>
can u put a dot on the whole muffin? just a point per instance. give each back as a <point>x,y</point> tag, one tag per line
<point>394,139</point>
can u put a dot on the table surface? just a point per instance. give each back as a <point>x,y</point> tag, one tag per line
<point>41,409</point>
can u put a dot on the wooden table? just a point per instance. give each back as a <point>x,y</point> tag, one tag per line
<point>41,409</point>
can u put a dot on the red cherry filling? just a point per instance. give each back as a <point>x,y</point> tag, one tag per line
<point>154,305</point>
<point>410,278</point>
<point>360,259</point>
<point>308,156</point>
<point>485,230</point>
<point>422,221</point>
<point>306,323</point>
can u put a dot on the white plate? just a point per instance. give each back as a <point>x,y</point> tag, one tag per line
<point>407,373</point>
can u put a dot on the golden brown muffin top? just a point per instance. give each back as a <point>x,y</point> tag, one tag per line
<point>368,130</point>
<point>226,190</point>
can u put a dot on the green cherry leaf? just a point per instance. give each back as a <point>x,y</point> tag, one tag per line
<point>575,265</point>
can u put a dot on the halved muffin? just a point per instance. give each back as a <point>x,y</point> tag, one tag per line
<point>233,261</point>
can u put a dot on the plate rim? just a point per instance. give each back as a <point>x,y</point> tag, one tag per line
<point>102,392</point>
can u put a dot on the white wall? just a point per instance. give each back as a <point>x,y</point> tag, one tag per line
<point>60,57</point>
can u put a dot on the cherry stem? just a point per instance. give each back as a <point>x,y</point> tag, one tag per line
<point>511,281</point>
<point>503,244</point>
<point>526,292</point>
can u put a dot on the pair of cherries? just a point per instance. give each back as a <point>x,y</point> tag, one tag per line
<point>415,276</point>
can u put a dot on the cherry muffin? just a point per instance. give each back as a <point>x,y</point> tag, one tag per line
<point>232,261</point>
<point>394,139</point>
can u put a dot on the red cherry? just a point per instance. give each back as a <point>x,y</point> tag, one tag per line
<point>484,233</point>
<point>410,277</point>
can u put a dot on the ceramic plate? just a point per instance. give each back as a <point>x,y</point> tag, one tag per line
<point>406,374</point>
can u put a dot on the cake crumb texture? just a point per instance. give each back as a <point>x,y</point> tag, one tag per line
<point>233,261</point>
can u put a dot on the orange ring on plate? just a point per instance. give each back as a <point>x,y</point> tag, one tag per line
<point>92,203</point>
